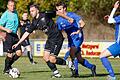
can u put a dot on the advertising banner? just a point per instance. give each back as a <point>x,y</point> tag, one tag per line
<point>88,49</point>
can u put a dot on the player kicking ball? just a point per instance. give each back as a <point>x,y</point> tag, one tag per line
<point>43,21</point>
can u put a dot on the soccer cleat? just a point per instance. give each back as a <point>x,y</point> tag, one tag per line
<point>93,70</point>
<point>69,64</point>
<point>33,62</point>
<point>56,75</point>
<point>111,78</point>
<point>6,72</point>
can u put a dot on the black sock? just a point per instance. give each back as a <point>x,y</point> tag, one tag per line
<point>14,58</point>
<point>60,61</point>
<point>30,56</point>
<point>52,66</point>
<point>7,63</point>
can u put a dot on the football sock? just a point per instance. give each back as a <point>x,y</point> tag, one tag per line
<point>60,61</point>
<point>30,56</point>
<point>14,58</point>
<point>87,64</point>
<point>7,63</point>
<point>108,66</point>
<point>67,54</point>
<point>52,66</point>
<point>76,65</point>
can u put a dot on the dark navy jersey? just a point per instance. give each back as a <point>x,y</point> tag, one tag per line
<point>25,26</point>
<point>45,23</point>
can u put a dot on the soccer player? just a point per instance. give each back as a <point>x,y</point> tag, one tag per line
<point>9,24</point>
<point>24,25</point>
<point>74,34</point>
<point>114,49</point>
<point>43,21</point>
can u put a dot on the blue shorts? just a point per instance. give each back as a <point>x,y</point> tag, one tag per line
<point>114,49</point>
<point>75,41</point>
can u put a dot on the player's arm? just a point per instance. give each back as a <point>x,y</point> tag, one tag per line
<point>111,19</point>
<point>81,26</point>
<point>81,23</point>
<point>52,14</point>
<point>71,20</point>
<point>3,21</point>
<point>25,35</point>
<point>5,29</point>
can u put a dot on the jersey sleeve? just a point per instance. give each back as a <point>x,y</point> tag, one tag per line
<point>117,19</point>
<point>3,19</point>
<point>31,28</point>
<point>76,17</point>
<point>50,14</point>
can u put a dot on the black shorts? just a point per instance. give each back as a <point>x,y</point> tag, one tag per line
<point>25,43</point>
<point>10,40</point>
<point>53,46</point>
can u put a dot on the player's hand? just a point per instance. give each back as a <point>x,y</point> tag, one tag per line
<point>71,20</point>
<point>106,17</point>
<point>8,31</point>
<point>14,46</point>
<point>116,5</point>
<point>74,33</point>
<point>22,22</point>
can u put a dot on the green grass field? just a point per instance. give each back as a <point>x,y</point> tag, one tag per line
<point>40,71</point>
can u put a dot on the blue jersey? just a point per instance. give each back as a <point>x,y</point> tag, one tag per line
<point>117,29</point>
<point>69,28</point>
<point>10,21</point>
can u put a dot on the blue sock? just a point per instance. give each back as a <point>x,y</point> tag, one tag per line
<point>67,54</point>
<point>76,65</point>
<point>108,66</point>
<point>87,64</point>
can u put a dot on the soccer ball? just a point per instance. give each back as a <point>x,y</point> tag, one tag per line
<point>14,73</point>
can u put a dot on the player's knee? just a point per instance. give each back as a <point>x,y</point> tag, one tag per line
<point>52,59</point>
<point>9,55</point>
<point>45,58</point>
<point>19,52</point>
<point>102,54</point>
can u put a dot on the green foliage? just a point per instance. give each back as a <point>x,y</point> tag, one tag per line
<point>3,4</point>
<point>95,9</point>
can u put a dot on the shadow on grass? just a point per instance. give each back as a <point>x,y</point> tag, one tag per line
<point>36,71</point>
<point>89,75</point>
<point>102,74</point>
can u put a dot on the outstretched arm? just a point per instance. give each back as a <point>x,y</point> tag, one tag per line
<point>25,35</point>
<point>111,19</point>
<point>71,20</point>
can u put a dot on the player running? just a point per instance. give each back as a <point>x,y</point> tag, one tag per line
<point>114,49</point>
<point>75,35</point>
<point>44,22</point>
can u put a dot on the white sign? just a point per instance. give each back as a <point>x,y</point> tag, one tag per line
<point>1,48</point>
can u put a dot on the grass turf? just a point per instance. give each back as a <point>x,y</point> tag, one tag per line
<point>40,71</point>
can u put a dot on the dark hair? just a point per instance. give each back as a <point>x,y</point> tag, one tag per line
<point>11,1</point>
<point>61,4</point>
<point>34,5</point>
